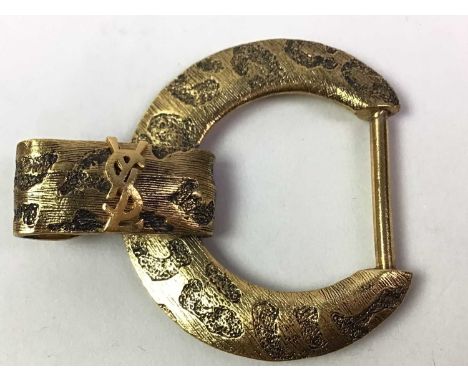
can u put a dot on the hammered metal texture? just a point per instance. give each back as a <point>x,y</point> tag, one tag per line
<point>60,189</point>
<point>198,293</point>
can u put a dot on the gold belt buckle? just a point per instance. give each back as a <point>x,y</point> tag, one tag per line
<point>159,192</point>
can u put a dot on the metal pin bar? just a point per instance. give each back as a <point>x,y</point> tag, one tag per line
<point>381,191</point>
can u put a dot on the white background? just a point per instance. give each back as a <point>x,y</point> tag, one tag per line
<point>293,184</point>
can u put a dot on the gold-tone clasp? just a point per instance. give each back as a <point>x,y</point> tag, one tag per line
<point>66,188</point>
<point>210,301</point>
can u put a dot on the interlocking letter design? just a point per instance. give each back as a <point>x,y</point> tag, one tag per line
<point>122,169</point>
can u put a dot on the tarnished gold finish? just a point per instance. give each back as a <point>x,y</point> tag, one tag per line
<point>68,188</point>
<point>205,298</point>
<point>122,169</point>
<point>189,284</point>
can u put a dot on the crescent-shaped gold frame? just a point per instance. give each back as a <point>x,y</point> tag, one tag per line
<point>206,299</point>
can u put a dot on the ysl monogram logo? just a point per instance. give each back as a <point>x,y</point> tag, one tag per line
<point>122,169</point>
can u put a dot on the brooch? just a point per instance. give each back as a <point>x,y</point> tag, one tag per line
<point>158,191</point>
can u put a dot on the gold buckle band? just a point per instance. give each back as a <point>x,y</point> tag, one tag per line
<point>67,188</point>
<point>125,188</point>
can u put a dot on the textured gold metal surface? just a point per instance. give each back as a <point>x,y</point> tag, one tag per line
<point>61,188</point>
<point>67,188</point>
<point>187,282</point>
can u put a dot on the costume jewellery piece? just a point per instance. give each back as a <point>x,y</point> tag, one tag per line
<point>159,192</point>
